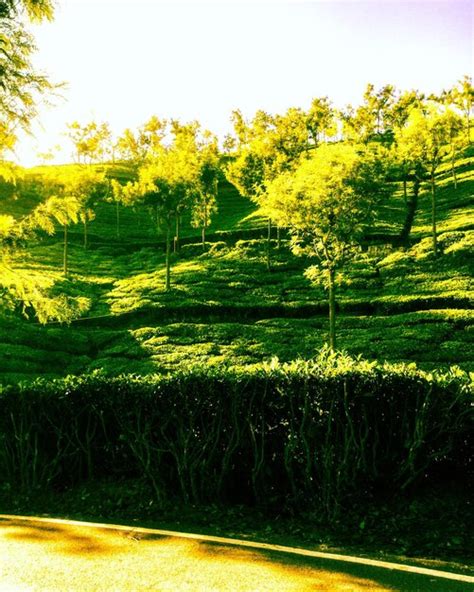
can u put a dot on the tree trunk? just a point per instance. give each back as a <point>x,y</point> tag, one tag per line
<point>278,238</point>
<point>269,236</point>
<point>412,206</point>
<point>332,310</point>
<point>168,253</point>
<point>453,168</point>
<point>117,217</point>
<point>433,214</point>
<point>85,231</point>
<point>204,226</point>
<point>65,270</point>
<point>405,196</point>
<point>176,236</point>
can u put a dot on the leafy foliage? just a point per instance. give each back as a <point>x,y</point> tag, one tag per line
<point>21,86</point>
<point>326,204</point>
<point>302,434</point>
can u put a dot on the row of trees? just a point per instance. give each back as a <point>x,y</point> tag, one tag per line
<point>415,133</point>
<point>322,173</point>
<point>411,133</point>
<point>175,178</point>
<point>319,173</point>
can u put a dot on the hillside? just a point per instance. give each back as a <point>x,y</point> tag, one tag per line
<point>225,307</point>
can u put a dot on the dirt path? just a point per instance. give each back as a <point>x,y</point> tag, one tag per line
<point>53,555</point>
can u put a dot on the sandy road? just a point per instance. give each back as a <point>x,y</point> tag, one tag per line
<point>43,555</point>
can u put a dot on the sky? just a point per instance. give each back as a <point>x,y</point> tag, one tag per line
<point>126,60</point>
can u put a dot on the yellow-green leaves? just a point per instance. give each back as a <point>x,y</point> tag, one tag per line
<point>427,135</point>
<point>92,141</point>
<point>21,85</point>
<point>38,10</point>
<point>329,195</point>
<point>145,144</point>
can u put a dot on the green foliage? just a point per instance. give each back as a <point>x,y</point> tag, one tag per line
<point>316,434</point>
<point>144,144</point>
<point>21,85</point>
<point>91,141</point>
<point>257,314</point>
<point>326,204</point>
<point>327,201</point>
<point>272,144</point>
<point>24,293</point>
<point>205,200</point>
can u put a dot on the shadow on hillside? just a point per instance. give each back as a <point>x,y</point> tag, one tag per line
<point>61,350</point>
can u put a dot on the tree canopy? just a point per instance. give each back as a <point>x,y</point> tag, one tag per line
<point>21,86</point>
<point>326,204</point>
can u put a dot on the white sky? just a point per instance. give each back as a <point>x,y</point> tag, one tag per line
<point>125,60</point>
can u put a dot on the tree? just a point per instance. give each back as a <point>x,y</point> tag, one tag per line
<point>188,140</point>
<point>91,141</point>
<point>63,209</point>
<point>410,167</point>
<point>36,10</point>
<point>205,198</point>
<point>21,87</point>
<point>12,232</point>
<point>370,121</point>
<point>425,140</point>
<point>268,146</point>
<point>326,203</point>
<point>462,96</point>
<point>165,186</point>
<point>145,144</point>
<point>406,169</point>
<point>20,290</point>
<point>117,197</point>
<point>454,127</point>
<point>87,186</point>
<point>320,121</point>
<point>134,149</point>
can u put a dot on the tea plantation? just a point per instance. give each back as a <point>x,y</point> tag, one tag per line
<point>397,304</point>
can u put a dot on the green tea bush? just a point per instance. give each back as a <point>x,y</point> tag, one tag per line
<point>313,434</point>
<point>457,242</point>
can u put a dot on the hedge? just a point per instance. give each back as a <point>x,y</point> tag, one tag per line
<point>307,434</point>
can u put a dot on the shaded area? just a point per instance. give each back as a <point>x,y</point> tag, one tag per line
<point>44,556</point>
<point>61,538</point>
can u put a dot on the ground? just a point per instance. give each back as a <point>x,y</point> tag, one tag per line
<point>45,555</point>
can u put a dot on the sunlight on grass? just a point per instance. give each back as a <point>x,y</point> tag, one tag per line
<point>49,555</point>
<point>255,218</point>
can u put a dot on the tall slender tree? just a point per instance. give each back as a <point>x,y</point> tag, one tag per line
<point>326,204</point>
<point>270,145</point>
<point>165,185</point>
<point>58,209</point>
<point>204,204</point>
<point>426,140</point>
<point>462,96</point>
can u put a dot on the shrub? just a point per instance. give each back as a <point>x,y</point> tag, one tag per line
<point>318,433</point>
